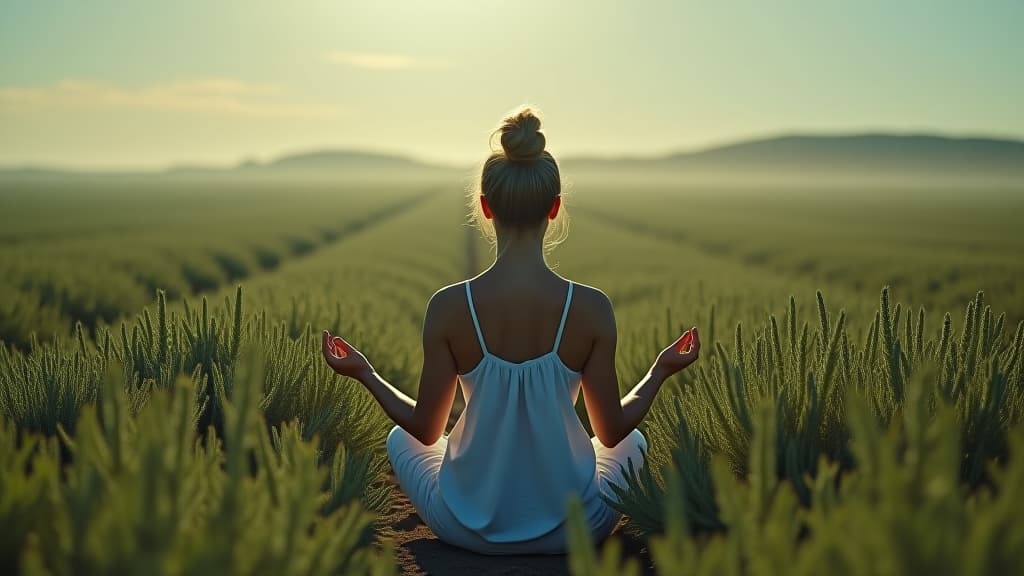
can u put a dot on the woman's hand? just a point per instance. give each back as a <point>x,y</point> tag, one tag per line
<point>679,355</point>
<point>344,358</point>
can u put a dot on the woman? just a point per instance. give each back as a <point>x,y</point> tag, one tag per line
<point>523,341</point>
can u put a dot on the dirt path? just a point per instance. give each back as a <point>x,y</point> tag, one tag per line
<point>419,552</point>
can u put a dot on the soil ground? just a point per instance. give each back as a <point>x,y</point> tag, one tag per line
<point>419,552</point>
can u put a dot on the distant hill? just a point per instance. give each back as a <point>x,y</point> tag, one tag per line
<point>817,153</point>
<point>864,156</point>
<point>330,163</point>
<point>850,154</point>
<point>323,163</point>
<point>339,161</point>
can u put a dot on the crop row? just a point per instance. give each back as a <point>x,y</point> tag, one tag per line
<point>119,246</point>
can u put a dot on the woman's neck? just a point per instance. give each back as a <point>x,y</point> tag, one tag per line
<point>520,252</point>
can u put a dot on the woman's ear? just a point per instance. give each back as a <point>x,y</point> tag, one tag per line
<point>486,208</point>
<point>554,208</point>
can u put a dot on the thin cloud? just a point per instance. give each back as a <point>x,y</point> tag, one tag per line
<point>225,96</point>
<point>384,61</point>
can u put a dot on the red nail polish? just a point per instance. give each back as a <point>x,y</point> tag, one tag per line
<point>338,347</point>
<point>685,342</point>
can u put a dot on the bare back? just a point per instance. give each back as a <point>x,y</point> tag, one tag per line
<point>519,318</point>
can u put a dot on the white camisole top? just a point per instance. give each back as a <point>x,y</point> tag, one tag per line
<point>519,449</point>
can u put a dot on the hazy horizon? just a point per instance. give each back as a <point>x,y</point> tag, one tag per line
<point>113,86</point>
<point>611,158</point>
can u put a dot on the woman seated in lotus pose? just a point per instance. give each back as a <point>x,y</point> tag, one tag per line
<point>523,342</point>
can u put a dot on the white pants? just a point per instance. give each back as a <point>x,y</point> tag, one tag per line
<point>417,466</point>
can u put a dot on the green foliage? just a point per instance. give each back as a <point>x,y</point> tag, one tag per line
<point>903,510</point>
<point>143,494</point>
<point>807,389</point>
<point>720,492</point>
<point>64,258</point>
<point>317,446</point>
<point>48,386</point>
<point>760,465</point>
<point>583,561</point>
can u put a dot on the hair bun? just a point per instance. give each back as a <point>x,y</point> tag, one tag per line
<point>521,137</point>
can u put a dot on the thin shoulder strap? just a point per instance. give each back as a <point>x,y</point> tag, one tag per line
<point>565,313</point>
<point>476,323</point>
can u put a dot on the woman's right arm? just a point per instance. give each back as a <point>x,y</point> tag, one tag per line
<point>425,417</point>
<point>612,417</point>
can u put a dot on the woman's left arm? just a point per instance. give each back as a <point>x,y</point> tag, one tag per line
<point>425,417</point>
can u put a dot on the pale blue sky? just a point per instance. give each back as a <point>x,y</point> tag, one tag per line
<point>144,84</point>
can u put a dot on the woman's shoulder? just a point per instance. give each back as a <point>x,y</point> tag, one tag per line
<point>448,299</point>
<point>590,297</point>
<point>592,308</point>
<point>589,300</point>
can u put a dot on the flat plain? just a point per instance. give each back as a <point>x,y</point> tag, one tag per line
<point>139,277</point>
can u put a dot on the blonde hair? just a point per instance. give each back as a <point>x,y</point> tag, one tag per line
<point>520,180</point>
